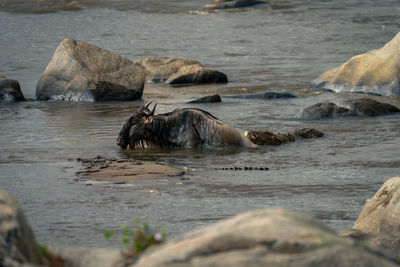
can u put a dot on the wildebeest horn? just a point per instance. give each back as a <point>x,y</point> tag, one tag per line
<point>148,104</point>
<point>154,109</point>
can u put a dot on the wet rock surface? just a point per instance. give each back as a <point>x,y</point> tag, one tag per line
<point>264,95</point>
<point>226,4</point>
<point>271,139</point>
<point>264,238</point>
<point>179,71</point>
<point>83,72</point>
<point>207,99</point>
<point>376,71</point>
<point>10,90</point>
<point>356,107</point>
<point>123,170</point>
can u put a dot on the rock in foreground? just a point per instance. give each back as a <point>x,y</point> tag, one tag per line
<point>10,91</point>
<point>263,238</point>
<point>356,107</point>
<point>376,72</point>
<point>271,139</point>
<point>83,72</point>
<point>179,71</point>
<point>381,213</point>
<point>17,242</point>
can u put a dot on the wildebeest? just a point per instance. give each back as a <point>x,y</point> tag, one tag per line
<point>187,127</point>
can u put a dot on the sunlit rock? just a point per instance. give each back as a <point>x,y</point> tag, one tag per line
<point>376,72</point>
<point>355,107</point>
<point>179,71</point>
<point>381,213</point>
<point>378,224</point>
<point>10,90</point>
<point>263,238</point>
<point>83,72</point>
<point>17,242</point>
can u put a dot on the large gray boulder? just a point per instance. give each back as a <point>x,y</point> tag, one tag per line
<point>263,238</point>
<point>179,71</point>
<point>376,71</point>
<point>10,91</point>
<point>83,72</point>
<point>354,107</point>
<point>17,242</point>
<point>226,4</point>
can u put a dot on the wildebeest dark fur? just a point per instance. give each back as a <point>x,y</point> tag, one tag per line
<point>187,127</point>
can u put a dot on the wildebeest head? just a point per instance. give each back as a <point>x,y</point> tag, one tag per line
<point>134,130</point>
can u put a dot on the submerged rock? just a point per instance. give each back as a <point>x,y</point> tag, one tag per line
<point>179,71</point>
<point>226,4</point>
<point>376,71</point>
<point>122,170</point>
<point>83,72</point>
<point>263,238</point>
<point>324,110</point>
<point>264,95</point>
<point>355,107</point>
<point>17,242</point>
<point>207,99</point>
<point>271,139</point>
<point>10,91</point>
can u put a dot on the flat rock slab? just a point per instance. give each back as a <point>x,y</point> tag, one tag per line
<point>124,170</point>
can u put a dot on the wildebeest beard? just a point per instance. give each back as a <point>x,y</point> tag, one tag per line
<point>186,127</point>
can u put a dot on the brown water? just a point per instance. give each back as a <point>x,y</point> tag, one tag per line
<point>280,47</point>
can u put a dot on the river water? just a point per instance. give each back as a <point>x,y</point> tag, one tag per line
<point>279,47</point>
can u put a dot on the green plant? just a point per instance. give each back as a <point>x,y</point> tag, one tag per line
<point>138,238</point>
<point>43,249</point>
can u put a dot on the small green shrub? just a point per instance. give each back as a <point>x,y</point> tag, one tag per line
<point>138,238</point>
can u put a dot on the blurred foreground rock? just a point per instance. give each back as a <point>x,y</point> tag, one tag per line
<point>83,72</point>
<point>17,242</point>
<point>264,238</point>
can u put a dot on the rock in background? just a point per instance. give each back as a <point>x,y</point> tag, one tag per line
<point>355,107</point>
<point>179,71</point>
<point>83,72</point>
<point>226,4</point>
<point>10,91</point>
<point>377,71</point>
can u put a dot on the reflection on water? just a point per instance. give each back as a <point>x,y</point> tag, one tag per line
<point>261,50</point>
